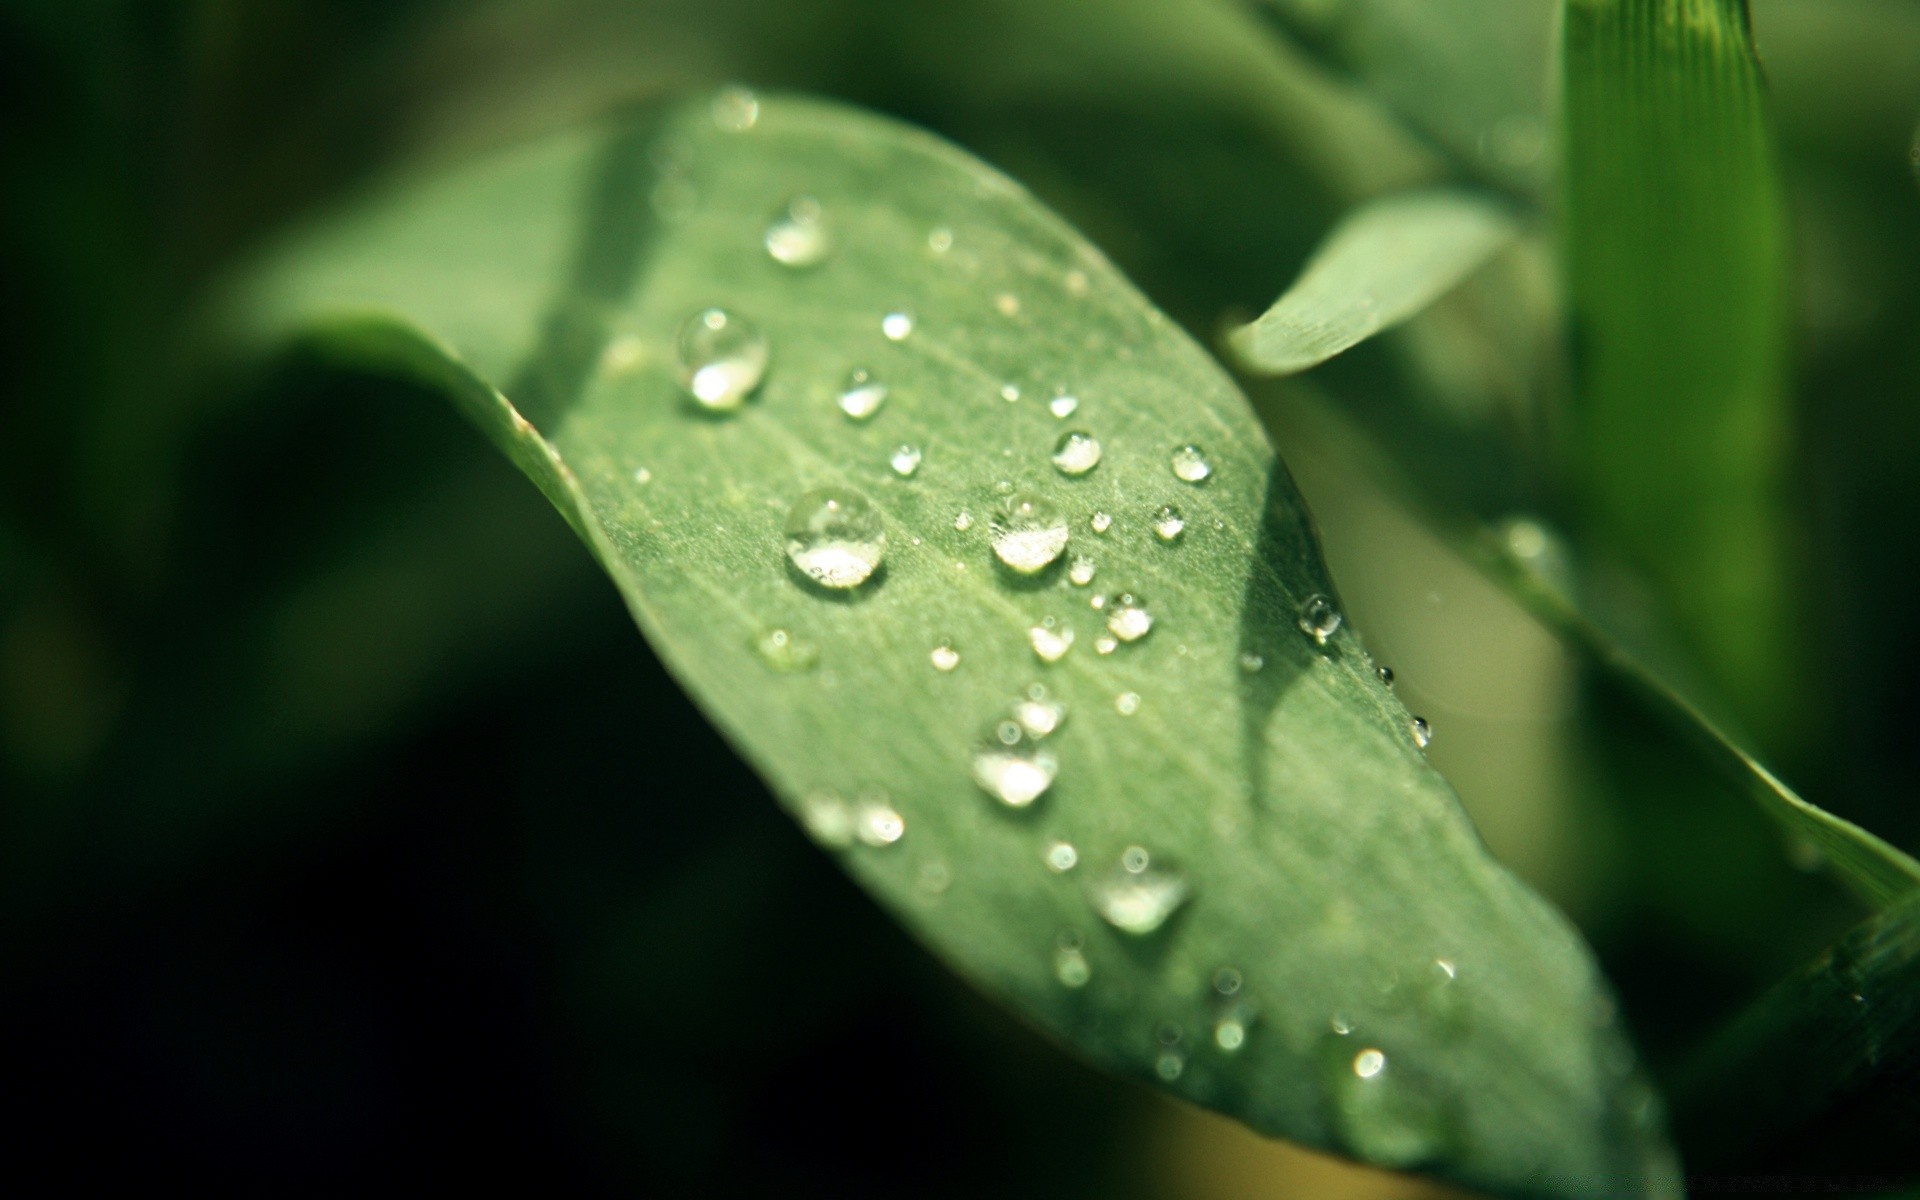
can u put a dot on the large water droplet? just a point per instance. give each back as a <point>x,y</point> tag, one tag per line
<point>905,459</point>
<point>1076,453</point>
<point>1028,533</point>
<point>1080,571</point>
<point>897,325</point>
<point>799,238</point>
<point>723,358</point>
<point>1384,1114</point>
<point>1138,897</point>
<point>784,652</point>
<point>736,109</point>
<point>1062,857</point>
<point>862,395</point>
<point>1318,618</point>
<point>1128,618</point>
<point>945,657</point>
<point>1168,523</point>
<point>1190,464</point>
<point>1422,732</point>
<point>1050,640</point>
<point>1063,405</point>
<point>835,537</point>
<point>1013,767</point>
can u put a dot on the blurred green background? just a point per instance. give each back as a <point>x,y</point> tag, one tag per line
<point>350,834</point>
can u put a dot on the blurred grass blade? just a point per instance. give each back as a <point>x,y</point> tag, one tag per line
<point>1819,1074</point>
<point>1524,556</point>
<point>1678,284</point>
<point>1243,881</point>
<point>1381,265</point>
<point>1469,74</point>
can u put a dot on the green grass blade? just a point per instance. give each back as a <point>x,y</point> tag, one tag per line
<point>1380,266</point>
<point>1676,249</point>
<point>1349,968</point>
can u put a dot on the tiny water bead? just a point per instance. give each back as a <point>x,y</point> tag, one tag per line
<point>1076,453</point>
<point>1050,640</point>
<point>1070,965</point>
<point>827,819</point>
<point>1386,675</point>
<point>1137,897</point>
<point>1227,981</point>
<point>1422,732</point>
<point>940,240</point>
<point>1190,464</point>
<point>1318,618</point>
<point>1080,570</point>
<point>736,109</point>
<point>877,824</point>
<point>1170,1065</point>
<point>862,395</point>
<point>897,325</point>
<point>1128,618</point>
<point>944,657</point>
<point>1252,664</point>
<point>905,459</point>
<point>783,652</point>
<point>835,537</point>
<point>1063,405</point>
<point>1038,713</point>
<point>1028,533</point>
<point>723,358</point>
<point>1013,767</point>
<point>964,521</point>
<point>1009,392</point>
<point>1105,644</point>
<point>1230,1031</point>
<point>1061,857</point>
<point>799,237</point>
<point>1100,522</point>
<point>1127,703</point>
<point>1168,523</point>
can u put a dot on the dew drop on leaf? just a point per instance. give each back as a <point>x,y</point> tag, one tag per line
<point>1422,732</point>
<point>1386,675</point>
<point>1128,618</point>
<point>1317,618</point>
<point>1062,857</point>
<point>1382,1114</point>
<point>897,325</point>
<point>835,537</point>
<point>1168,523</point>
<point>1080,571</point>
<point>905,459</point>
<point>1028,533</point>
<point>827,819</point>
<point>964,521</point>
<point>944,656</point>
<point>1038,713</point>
<point>1101,522</point>
<point>736,109</point>
<point>862,395</point>
<point>1252,664</point>
<point>1076,453</point>
<point>940,240</point>
<point>1070,965</point>
<point>1013,767</point>
<point>1137,897</point>
<point>723,358</point>
<point>781,650</point>
<point>1190,465</point>
<point>1050,640</point>
<point>877,823</point>
<point>1063,405</point>
<point>1127,703</point>
<point>799,237</point>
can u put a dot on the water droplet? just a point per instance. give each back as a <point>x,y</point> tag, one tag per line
<point>862,395</point>
<point>940,240</point>
<point>964,521</point>
<point>1251,664</point>
<point>1080,570</point>
<point>1230,1031</point>
<point>642,476</point>
<point>1009,392</point>
<point>1369,1063</point>
<point>897,325</point>
<point>1386,675</point>
<point>827,819</point>
<point>1038,713</point>
<point>1168,523</point>
<point>736,109</point>
<point>1317,618</point>
<point>1137,898</point>
<point>944,657</point>
<point>1051,640</point>
<point>1076,453</point>
<point>1169,1065</point>
<point>799,238</point>
<point>1062,857</point>
<point>1101,522</point>
<point>1190,464</point>
<point>1007,304</point>
<point>723,358</point>
<point>1105,644</point>
<point>905,460</point>
<point>1028,533</point>
<point>1422,732</point>
<point>835,537</point>
<point>1384,1113</point>
<point>877,824</point>
<point>1127,703</point>
<point>1128,618</point>
<point>1227,981</point>
<point>1016,772</point>
<point>1069,962</point>
<point>781,650</point>
<point>1063,405</point>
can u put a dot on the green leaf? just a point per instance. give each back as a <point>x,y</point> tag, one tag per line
<point>1383,264</point>
<point>1678,285</point>
<point>1348,968</point>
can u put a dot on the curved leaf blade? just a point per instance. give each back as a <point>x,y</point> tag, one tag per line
<point>1380,266</point>
<point>1349,968</point>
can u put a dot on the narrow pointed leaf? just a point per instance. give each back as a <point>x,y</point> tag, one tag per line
<point>1379,267</point>
<point>1311,937</point>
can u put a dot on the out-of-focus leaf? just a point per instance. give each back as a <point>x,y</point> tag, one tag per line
<point>1271,904</point>
<point>1678,284</point>
<point>1380,266</point>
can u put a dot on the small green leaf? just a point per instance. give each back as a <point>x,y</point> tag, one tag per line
<point>1382,265</point>
<point>1204,849</point>
<point>1678,282</point>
